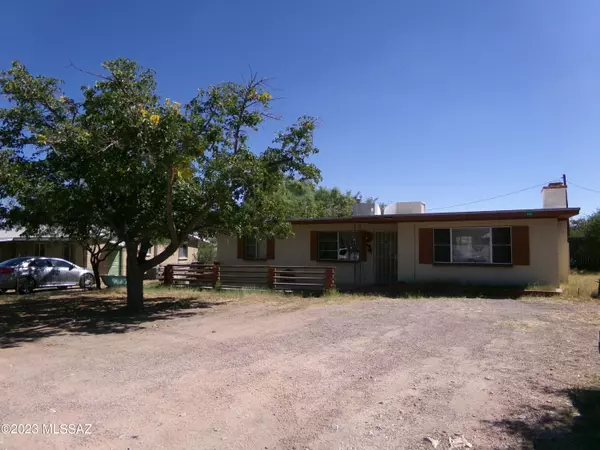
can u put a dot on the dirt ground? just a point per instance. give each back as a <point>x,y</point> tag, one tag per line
<point>224,372</point>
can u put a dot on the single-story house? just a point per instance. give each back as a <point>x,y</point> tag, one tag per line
<point>407,244</point>
<point>13,244</point>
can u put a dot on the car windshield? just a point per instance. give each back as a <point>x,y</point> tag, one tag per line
<point>13,262</point>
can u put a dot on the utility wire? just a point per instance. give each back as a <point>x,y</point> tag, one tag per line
<point>490,198</point>
<point>584,188</point>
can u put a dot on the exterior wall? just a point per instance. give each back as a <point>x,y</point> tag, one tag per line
<point>53,249</point>
<point>563,251</point>
<point>295,251</point>
<point>549,256</point>
<point>543,248</point>
<point>111,265</point>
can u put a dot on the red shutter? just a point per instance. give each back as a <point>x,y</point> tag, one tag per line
<point>520,246</point>
<point>314,245</point>
<point>362,236</point>
<point>270,248</point>
<point>425,245</point>
<point>240,248</point>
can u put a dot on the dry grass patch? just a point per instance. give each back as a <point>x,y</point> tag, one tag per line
<point>581,286</point>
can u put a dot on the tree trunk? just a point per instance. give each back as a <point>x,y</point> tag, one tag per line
<point>96,269</point>
<point>135,280</point>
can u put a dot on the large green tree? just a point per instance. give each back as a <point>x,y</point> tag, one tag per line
<point>306,199</point>
<point>588,228</point>
<point>40,205</point>
<point>143,168</point>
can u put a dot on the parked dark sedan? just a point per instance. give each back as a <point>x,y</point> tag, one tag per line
<point>28,273</point>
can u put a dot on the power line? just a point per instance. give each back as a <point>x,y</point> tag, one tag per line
<point>584,188</point>
<point>490,198</point>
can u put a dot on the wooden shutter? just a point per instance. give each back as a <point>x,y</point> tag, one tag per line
<point>270,248</point>
<point>362,236</point>
<point>520,246</point>
<point>425,245</point>
<point>314,245</point>
<point>240,247</point>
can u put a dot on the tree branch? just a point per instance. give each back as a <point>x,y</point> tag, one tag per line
<point>88,72</point>
<point>145,245</point>
<point>160,258</point>
<point>170,219</point>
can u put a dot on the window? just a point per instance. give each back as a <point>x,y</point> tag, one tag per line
<point>39,249</point>
<point>501,245</point>
<point>40,263</point>
<point>339,246</point>
<point>255,248</point>
<point>68,252</point>
<point>182,253</point>
<point>61,264</point>
<point>484,245</point>
<point>13,262</point>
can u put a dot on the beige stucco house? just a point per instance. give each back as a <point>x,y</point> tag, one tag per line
<point>14,244</point>
<point>514,247</point>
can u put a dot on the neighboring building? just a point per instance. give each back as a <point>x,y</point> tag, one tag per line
<point>115,263</point>
<point>406,244</point>
<point>13,244</point>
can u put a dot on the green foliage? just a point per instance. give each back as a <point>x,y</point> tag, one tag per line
<point>304,199</point>
<point>332,293</point>
<point>123,162</point>
<point>588,228</point>
<point>207,251</point>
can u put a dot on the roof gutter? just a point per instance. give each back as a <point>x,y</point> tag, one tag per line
<point>547,213</point>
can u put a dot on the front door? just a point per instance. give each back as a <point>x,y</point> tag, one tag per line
<point>386,257</point>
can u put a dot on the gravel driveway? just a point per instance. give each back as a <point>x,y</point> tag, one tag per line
<point>359,374</point>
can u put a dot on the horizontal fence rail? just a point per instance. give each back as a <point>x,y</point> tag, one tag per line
<point>301,278</point>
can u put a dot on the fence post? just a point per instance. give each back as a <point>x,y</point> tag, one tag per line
<point>271,277</point>
<point>168,275</point>
<point>216,272</point>
<point>329,278</point>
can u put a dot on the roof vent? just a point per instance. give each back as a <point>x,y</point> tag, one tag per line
<point>405,208</point>
<point>366,209</point>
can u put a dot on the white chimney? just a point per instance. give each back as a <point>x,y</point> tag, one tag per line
<point>554,196</point>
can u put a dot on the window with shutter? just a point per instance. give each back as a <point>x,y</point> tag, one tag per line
<point>338,245</point>
<point>474,245</point>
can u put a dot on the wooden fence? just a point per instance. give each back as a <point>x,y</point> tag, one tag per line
<point>301,278</point>
<point>584,255</point>
<point>190,275</point>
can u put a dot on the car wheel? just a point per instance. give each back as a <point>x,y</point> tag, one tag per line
<point>25,285</point>
<point>86,281</point>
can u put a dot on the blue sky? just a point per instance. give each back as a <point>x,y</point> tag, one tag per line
<point>445,102</point>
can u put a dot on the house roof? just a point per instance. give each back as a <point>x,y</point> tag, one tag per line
<point>17,235</point>
<point>10,235</point>
<point>512,214</point>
